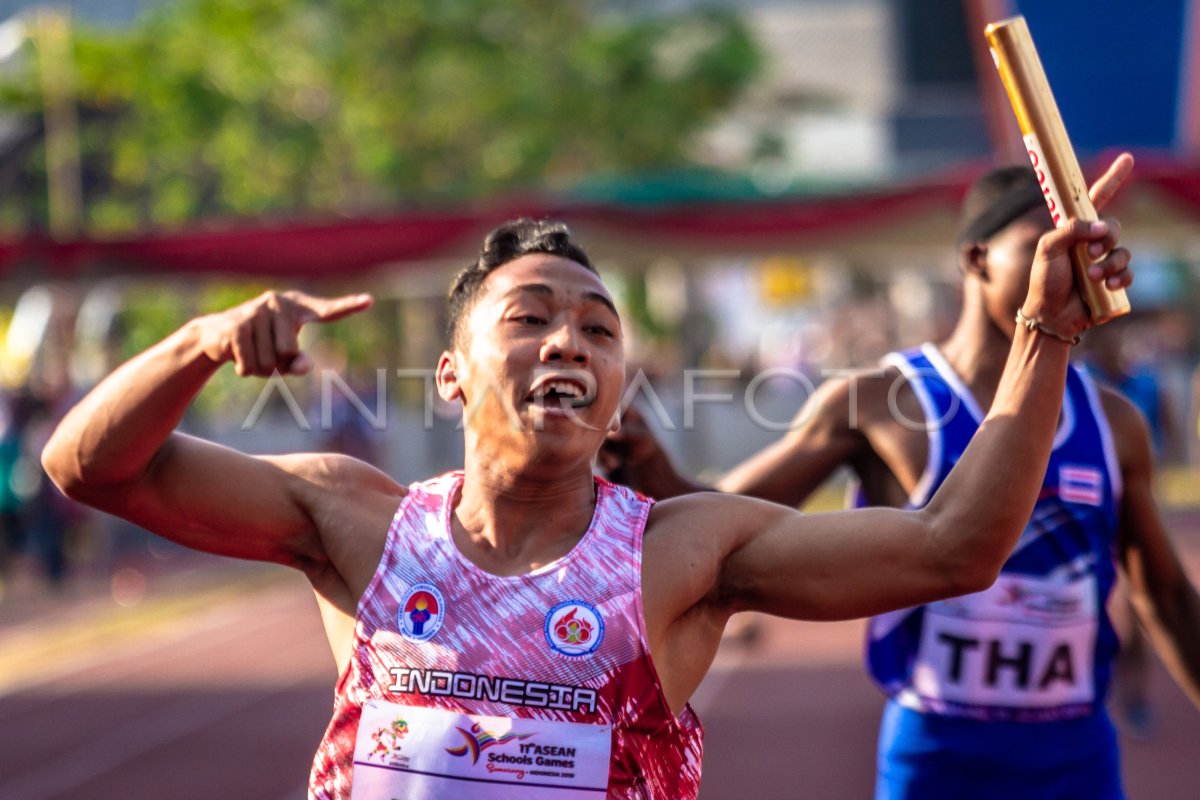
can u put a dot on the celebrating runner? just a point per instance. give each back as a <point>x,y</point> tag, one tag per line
<point>521,628</point>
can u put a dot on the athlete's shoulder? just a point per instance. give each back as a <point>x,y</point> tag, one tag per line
<point>668,515</point>
<point>339,473</point>
<point>872,378</point>
<point>688,540</point>
<point>351,503</point>
<point>1119,409</point>
<point>849,394</point>
<point>1129,427</point>
<point>887,396</point>
<point>705,521</point>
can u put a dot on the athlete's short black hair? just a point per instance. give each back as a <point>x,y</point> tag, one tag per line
<point>996,199</point>
<point>507,243</point>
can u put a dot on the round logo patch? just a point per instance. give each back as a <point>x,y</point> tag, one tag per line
<point>421,612</point>
<point>574,628</point>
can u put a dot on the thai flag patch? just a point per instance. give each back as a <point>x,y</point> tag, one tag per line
<point>1080,485</point>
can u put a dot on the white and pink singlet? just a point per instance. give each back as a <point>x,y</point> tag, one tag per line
<point>466,685</point>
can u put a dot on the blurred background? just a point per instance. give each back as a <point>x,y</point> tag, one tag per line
<point>764,185</point>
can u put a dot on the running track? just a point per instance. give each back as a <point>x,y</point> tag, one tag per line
<point>220,686</point>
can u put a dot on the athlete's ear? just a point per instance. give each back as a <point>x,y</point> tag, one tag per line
<point>449,389</point>
<point>972,259</point>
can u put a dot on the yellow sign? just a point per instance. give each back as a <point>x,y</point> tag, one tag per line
<point>785,280</point>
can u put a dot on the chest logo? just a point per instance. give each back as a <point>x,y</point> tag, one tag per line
<point>421,612</point>
<point>1077,484</point>
<point>574,628</point>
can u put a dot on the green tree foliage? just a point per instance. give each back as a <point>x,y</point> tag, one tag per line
<point>284,107</point>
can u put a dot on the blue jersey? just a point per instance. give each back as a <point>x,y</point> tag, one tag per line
<point>1019,670</point>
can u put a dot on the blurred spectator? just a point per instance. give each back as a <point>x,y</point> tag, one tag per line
<point>10,503</point>
<point>351,426</point>
<point>47,515</point>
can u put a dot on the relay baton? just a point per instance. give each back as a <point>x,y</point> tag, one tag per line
<point>1050,152</point>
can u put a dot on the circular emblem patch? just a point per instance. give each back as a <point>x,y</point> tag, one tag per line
<point>574,628</point>
<point>421,612</point>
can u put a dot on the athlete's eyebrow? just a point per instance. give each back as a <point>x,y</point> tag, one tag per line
<point>543,289</point>
<point>532,288</point>
<point>602,300</point>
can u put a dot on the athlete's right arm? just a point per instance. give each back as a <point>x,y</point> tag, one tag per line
<point>824,435</point>
<point>118,449</point>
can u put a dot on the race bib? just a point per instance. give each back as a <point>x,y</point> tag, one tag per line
<point>1024,643</point>
<point>410,753</point>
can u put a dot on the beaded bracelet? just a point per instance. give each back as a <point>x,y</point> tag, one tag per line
<point>1034,325</point>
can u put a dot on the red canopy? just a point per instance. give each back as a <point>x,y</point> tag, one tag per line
<point>346,247</point>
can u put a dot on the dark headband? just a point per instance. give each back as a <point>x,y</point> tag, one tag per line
<point>1015,202</point>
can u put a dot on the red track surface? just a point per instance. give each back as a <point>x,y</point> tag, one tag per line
<point>226,694</point>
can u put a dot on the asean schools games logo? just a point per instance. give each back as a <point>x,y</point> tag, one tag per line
<point>574,628</point>
<point>477,740</point>
<point>421,612</point>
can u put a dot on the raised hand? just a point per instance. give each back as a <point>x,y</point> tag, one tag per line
<point>262,335</point>
<point>1053,299</point>
<point>1107,185</point>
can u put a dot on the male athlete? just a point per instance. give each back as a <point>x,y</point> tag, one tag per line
<point>998,693</point>
<point>507,614</point>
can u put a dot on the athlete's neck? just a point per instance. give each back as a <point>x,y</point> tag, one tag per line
<point>977,349</point>
<point>509,522</point>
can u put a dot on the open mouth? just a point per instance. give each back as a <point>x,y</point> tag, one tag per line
<point>560,390</point>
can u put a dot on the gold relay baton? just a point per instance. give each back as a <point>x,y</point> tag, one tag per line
<point>1050,151</point>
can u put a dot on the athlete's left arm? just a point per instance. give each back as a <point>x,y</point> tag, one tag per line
<point>848,564</point>
<point>1165,600</point>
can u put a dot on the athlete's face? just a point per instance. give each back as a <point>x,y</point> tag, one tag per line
<point>1006,265</point>
<point>541,364</point>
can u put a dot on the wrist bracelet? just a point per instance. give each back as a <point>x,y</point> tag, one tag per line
<point>1034,325</point>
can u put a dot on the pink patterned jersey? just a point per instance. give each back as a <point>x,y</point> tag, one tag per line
<point>464,684</point>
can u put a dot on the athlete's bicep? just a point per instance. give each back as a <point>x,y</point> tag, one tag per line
<point>212,498</point>
<point>742,554</point>
<point>841,565</point>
